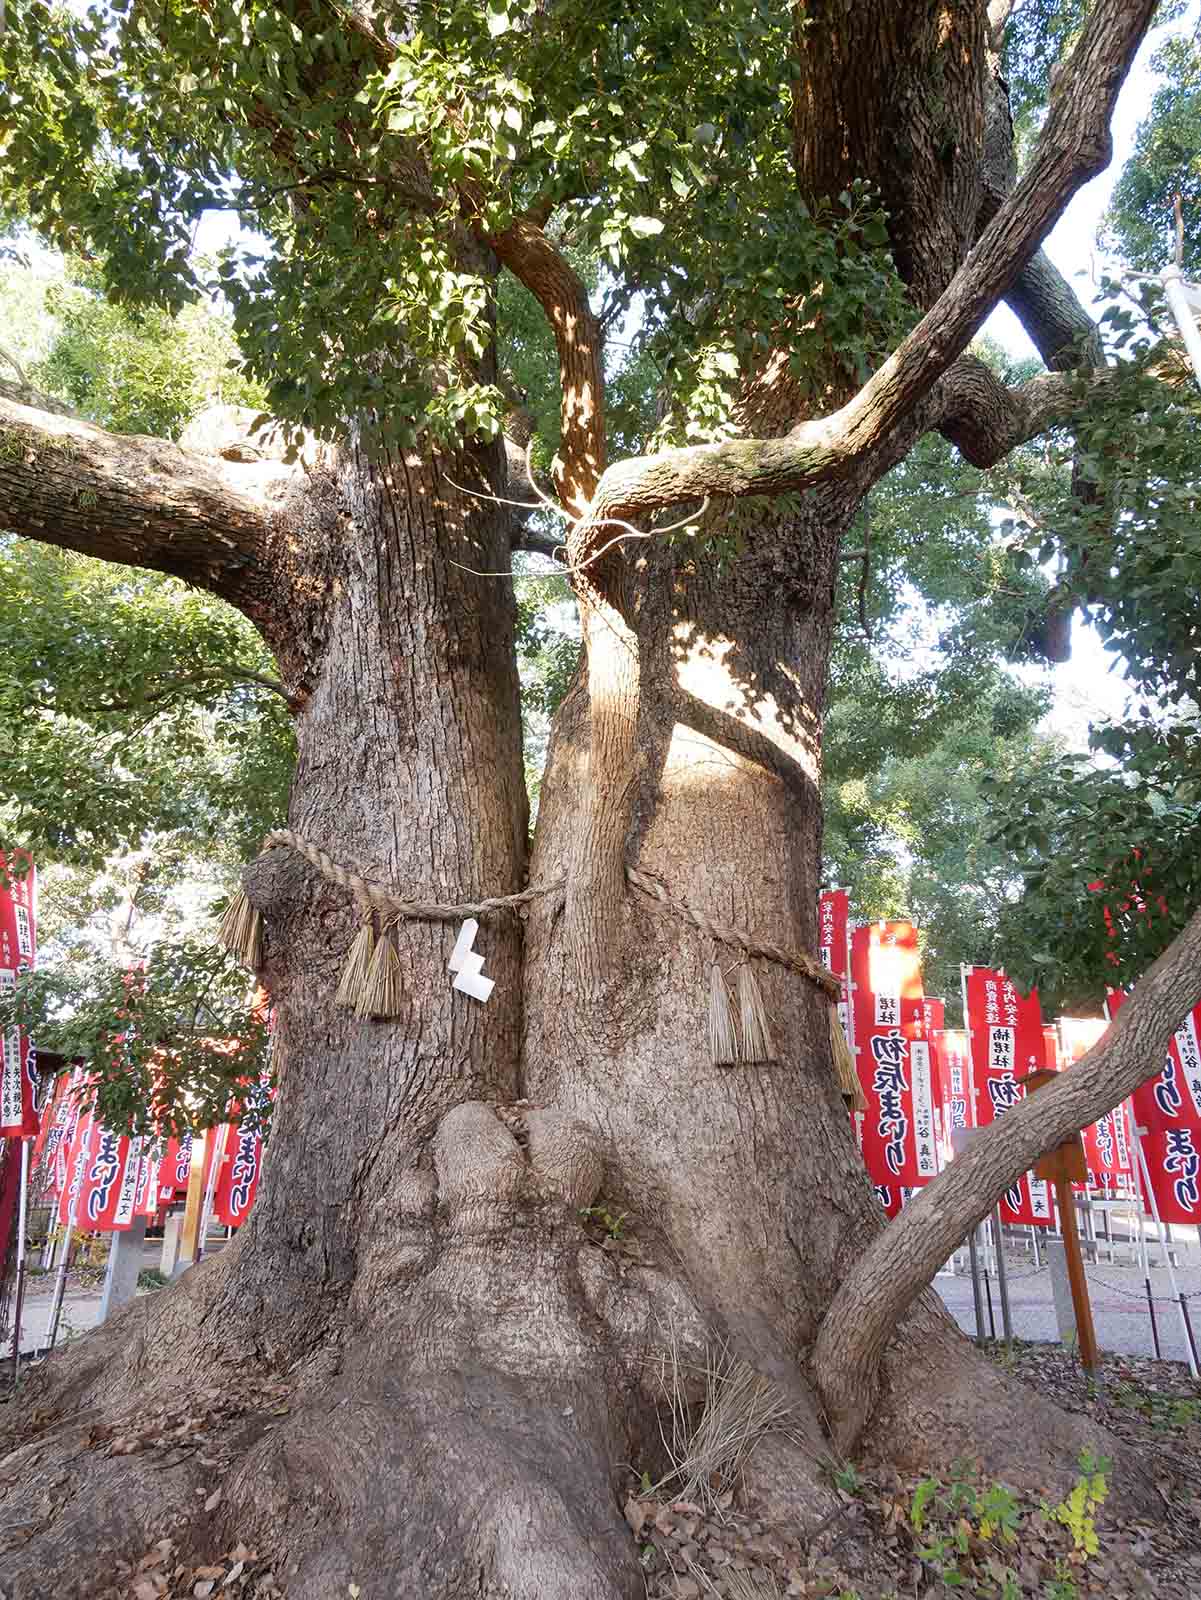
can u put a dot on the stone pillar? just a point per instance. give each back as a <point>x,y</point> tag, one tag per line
<point>1061,1288</point>
<point>124,1264</point>
<point>170,1265</point>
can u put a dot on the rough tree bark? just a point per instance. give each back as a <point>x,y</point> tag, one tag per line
<point>466,1369</point>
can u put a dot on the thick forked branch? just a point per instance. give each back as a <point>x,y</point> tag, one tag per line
<point>536,262</point>
<point>1074,146</point>
<point>985,419</point>
<point>139,501</point>
<point>902,1260</point>
<point>1050,311</point>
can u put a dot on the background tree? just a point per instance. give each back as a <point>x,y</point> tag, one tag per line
<point>415,1265</point>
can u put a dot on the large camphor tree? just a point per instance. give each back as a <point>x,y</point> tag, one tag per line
<point>808,211</point>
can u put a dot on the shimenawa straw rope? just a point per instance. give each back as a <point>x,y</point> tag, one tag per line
<point>372,977</point>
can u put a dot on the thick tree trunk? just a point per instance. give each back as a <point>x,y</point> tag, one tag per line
<point>438,1375</point>
<point>465,1368</point>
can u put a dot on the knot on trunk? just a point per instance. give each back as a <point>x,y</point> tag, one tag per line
<point>480,1168</point>
<point>565,1158</point>
<point>483,1171</point>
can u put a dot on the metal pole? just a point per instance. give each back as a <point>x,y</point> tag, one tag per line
<point>1154,1324</point>
<point>60,1282</point>
<point>1034,1241</point>
<point>20,1292</point>
<point>976,1295</point>
<point>1173,287</point>
<point>992,1321</point>
<point>1142,1157</point>
<point>1188,1326</point>
<point>1002,1280</point>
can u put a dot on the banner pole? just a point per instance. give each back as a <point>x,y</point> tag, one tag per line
<point>210,1190</point>
<point>1154,1204</point>
<point>60,1282</point>
<point>19,1296</point>
<point>1002,1279</point>
<point>194,1203</point>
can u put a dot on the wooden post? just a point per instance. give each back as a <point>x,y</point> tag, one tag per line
<point>1064,1166</point>
<point>1085,1335</point>
<point>194,1207</point>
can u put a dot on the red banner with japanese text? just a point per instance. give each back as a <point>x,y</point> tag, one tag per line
<point>18,952</point>
<point>833,923</point>
<point>887,1021</point>
<point>106,1199</point>
<point>1107,1146</point>
<point>1173,1097</point>
<point>1005,1043</point>
<point>1167,1113</point>
<point>75,1168</point>
<point>933,1017</point>
<point>238,1180</point>
<point>952,1084</point>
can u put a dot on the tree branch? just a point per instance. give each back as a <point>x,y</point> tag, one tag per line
<point>539,544</point>
<point>193,680</point>
<point>1048,308</point>
<point>1075,145</point>
<point>985,419</point>
<point>902,1259</point>
<point>135,500</point>
<point>535,261</point>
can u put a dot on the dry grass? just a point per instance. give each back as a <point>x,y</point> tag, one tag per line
<point>723,1041</point>
<point>757,1042</point>
<point>382,993</point>
<point>740,1407</point>
<point>739,1585</point>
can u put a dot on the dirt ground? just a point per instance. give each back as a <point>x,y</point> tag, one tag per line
<point>887,1539</point>
<point>897,1539</point>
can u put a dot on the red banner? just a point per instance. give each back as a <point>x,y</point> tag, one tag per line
<point>833,922</point>
<point>145,1199</point>
<point>1173,1097</point>
<point>174,1169</point>
<point>1173,1157</point>
<point>896,1079</point>
<point>238,1181</point>
<point>952,1084</point>
<point>1005,1042</point>
<point>106,1199</point>
<point>933,1017</point>
<point>1107,1147</point>
<point>18,952</point>
<point>75,1169</point>
<point>1167,1113</point>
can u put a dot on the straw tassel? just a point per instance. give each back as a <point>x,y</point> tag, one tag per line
<point>723,1041</point>
<point>358,964</point>
<point>844,1065</point>
<point>241,931</point>
<point>757,1043</point>
<point>381,994</point>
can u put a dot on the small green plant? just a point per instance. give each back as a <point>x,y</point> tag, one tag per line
<point>1183,1413</point>
<point>847,1478</point>
<point>614,1226</point>
<point>1078,1512</point>
<point>151,1278</point>
<point>1062,1586</point>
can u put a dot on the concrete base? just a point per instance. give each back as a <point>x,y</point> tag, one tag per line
<point>124,1264</point>
<point>171,1266</point>
<point>1061,1289</point>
